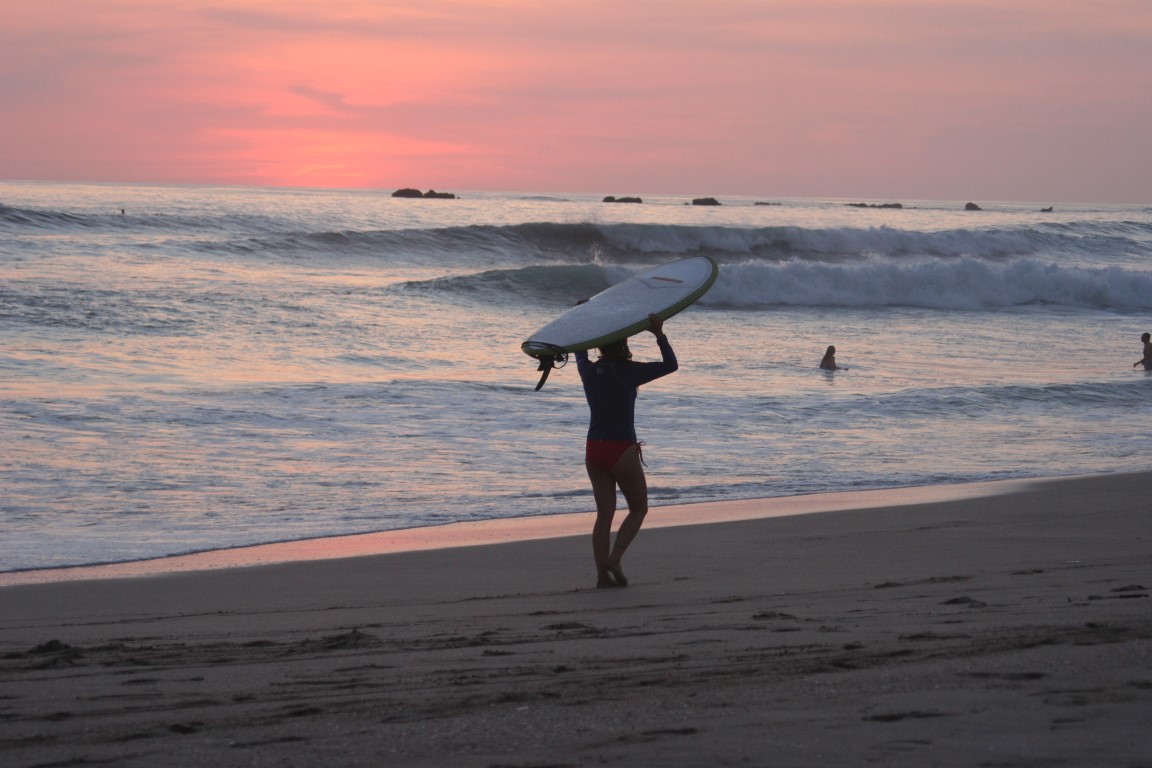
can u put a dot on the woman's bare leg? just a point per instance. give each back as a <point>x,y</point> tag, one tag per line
<point>604,492</point>
<point>629,475</point>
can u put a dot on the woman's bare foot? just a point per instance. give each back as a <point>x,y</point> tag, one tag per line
<point>604,581</point>
<point>617,574</point>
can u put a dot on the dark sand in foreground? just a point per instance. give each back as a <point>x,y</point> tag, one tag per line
<point>1009,630</point>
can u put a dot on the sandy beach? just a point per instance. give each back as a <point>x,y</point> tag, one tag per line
<point>1001,630</point>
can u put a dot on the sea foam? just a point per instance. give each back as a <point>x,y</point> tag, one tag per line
<point>963,283</point>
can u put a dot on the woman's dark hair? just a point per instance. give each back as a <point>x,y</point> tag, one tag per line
<point>617,350</point>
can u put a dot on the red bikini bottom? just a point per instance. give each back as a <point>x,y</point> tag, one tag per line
<point>603,454</point>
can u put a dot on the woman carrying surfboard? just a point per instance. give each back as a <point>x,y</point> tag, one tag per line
<point>641,302</point>
<point>612,454</point>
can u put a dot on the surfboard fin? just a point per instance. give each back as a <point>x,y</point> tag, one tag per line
<point>548,362</point>
<point>546,366</point>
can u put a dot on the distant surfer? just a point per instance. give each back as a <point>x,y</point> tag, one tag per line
<point>1146,361</point>
<point>829,361</point>
<point>612,453</point>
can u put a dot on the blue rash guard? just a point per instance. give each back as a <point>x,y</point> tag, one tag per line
<point>610,387</point>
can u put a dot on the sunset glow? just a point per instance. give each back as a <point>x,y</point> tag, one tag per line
<point>1022,99</point>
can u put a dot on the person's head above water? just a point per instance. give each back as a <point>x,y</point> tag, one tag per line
<point>1145,337</point>
<point>831,350</point>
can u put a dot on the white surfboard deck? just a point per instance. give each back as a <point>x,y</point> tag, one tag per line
<point>622,310</point>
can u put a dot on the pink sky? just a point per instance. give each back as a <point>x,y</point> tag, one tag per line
<point>1033,100</point>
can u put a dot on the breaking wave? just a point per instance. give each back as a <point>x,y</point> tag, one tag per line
<point>962,283</point>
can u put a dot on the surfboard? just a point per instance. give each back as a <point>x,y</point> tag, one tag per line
<point>622,310</point>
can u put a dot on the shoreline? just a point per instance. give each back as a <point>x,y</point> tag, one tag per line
<point>508,530</point>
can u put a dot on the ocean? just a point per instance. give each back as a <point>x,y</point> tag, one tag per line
<point>195,368</point>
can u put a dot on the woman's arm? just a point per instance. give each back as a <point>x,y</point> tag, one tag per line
<point>646,372</point>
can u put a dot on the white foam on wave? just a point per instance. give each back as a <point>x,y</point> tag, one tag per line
<point>832,242</point>
<point>964,283</point>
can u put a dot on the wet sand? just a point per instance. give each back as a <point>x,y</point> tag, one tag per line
<point>1004,630</point>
